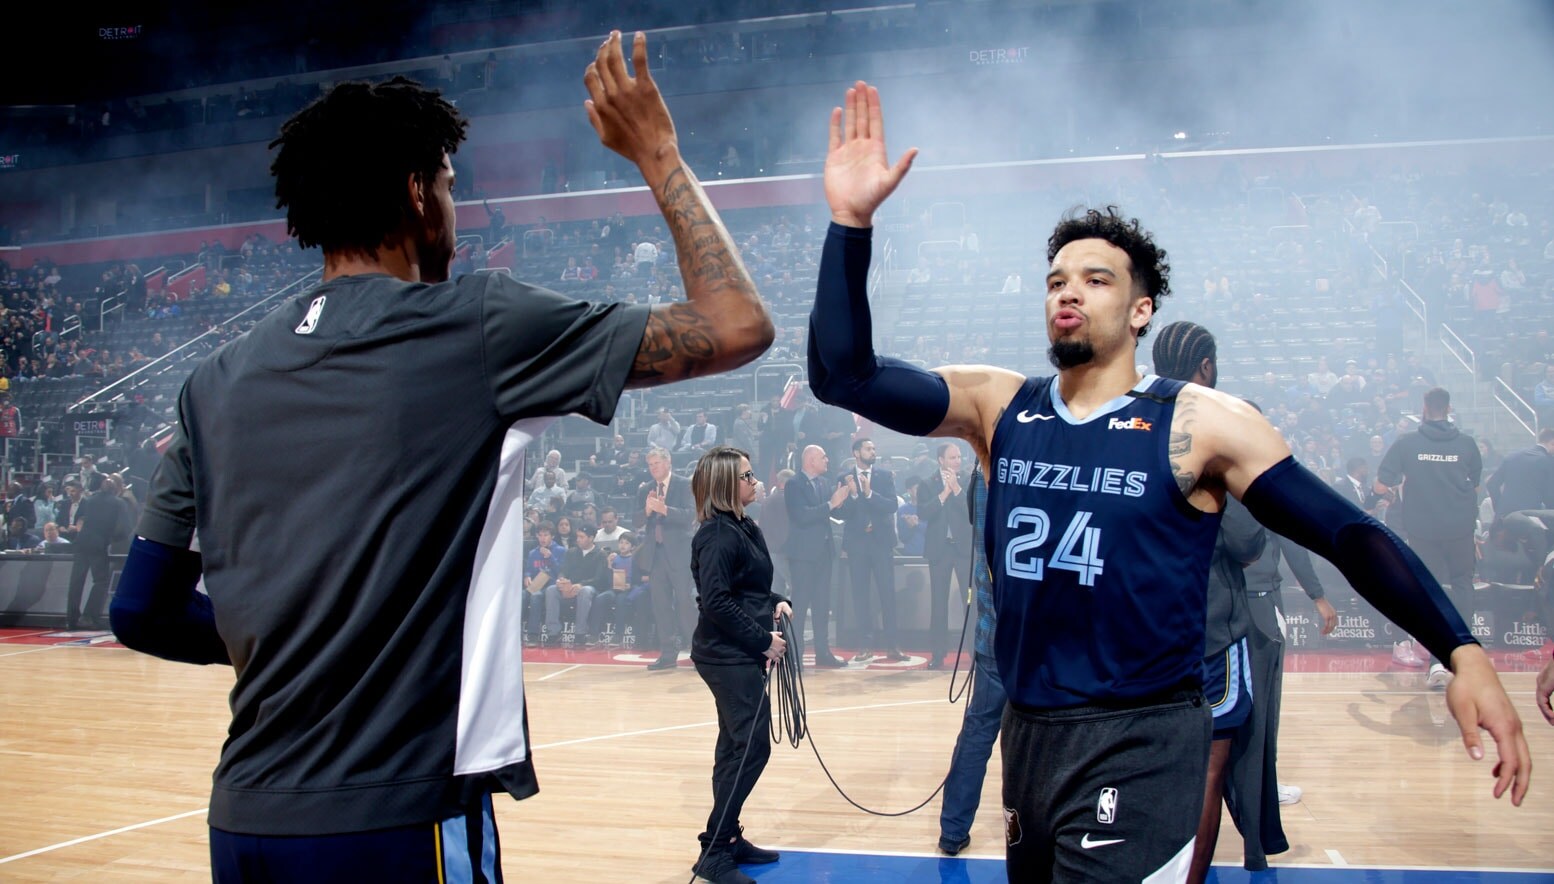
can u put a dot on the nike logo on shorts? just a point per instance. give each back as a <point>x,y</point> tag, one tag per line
<point>1026,417</point>
<point>1087,844</point>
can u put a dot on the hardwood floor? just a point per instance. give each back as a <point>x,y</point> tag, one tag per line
<point>107,757</point>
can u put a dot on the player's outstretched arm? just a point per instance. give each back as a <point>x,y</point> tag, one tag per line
<point>843,367</point>
<point>1240,445</point>
<point>722,324</point>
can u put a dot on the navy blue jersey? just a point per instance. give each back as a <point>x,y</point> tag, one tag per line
<point>1099,563</point>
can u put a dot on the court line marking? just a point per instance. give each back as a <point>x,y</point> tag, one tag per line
<point>554,674</point>
<point>936,855</point>
<point>82,840</point>
<point>684,727</point>
<point>1336,857</point>
<point>30,649</point>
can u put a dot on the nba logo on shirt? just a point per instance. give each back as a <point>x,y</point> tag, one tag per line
<point>1106,808</point>
<point>310,321</point>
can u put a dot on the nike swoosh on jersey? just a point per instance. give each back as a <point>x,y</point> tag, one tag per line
<point>1087,844</point>
<point>1026,417</point>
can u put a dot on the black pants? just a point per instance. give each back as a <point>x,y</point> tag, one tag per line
<point>95,560</point>
<point>956,562</point>
<point>812,592</point>
<point>1104,794</point>
<point>1451,563</point>
<point>744,720</point>
<point>674,603</point>
<point>871,569</point>
<point>463,847</point>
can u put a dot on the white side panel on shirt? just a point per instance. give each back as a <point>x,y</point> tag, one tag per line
<point>490,730</point>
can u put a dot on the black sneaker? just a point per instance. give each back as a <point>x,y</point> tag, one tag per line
<point>953,848</point>
<point>720,868</point>
<point>745,852</point>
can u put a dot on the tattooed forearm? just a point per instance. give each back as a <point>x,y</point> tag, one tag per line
<point>675,334</point>
<point>722,324</point>
<point>1179,445</point>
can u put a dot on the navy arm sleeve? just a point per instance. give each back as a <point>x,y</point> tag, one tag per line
<point>843,368</point>
<point>158,610</point>
<point>1291,501</point>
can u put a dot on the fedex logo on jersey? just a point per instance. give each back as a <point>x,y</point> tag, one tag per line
<point>1137,423</point>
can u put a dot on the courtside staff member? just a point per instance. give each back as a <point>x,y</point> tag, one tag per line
<point>1102,510</point>
<point>735,641</point>
<point>379,693</point>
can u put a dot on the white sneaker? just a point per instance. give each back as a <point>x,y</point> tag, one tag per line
<point>1403,654</point>
<point>1289,794</point>
<point>1439,677</point>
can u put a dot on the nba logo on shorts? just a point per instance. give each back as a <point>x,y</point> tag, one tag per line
<point>1012,833</point>
<point>1106,808</point>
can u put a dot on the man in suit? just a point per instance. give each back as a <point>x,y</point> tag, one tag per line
<point>1525,479</point>
<point>941,507</point>
<point>810,550</point>
<point>666,512</point>
<point>1355,486</point>
<point>869,539</point>
<point>99,521</point>
<point>70,509</point>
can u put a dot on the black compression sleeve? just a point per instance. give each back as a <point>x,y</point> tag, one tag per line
<point>843,368</point>
<point>158,610</point>
<point>1291,501</point>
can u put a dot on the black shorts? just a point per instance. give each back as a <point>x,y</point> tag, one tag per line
<point>1104,794</point>
<point>462,849</point>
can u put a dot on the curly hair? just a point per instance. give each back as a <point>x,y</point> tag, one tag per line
<point>1151,272</point>
<point>341,168</point>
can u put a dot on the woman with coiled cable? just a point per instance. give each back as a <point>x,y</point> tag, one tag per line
<point>734,643</point>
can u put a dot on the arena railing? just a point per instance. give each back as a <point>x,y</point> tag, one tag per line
<point>1464,354</point>
<point>1516,407</point>
<point>187,349</point>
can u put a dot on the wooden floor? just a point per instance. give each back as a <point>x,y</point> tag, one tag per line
<point>105,761</point>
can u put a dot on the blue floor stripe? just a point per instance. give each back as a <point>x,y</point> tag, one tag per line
<point>848,868</point>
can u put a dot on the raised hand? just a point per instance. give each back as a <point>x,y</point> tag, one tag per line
<point>858,174</point>
<point>628,112</point>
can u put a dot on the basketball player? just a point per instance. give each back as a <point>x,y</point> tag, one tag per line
<point>363,561</point>
<point>1105,490</point>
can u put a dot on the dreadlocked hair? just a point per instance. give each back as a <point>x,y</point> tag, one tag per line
<point>1181,348</point>
<point>1151,272</point>
<point>343,160</point>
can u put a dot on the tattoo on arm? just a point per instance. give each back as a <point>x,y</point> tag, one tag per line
<point>687,339</point>
<point>1179,446</point>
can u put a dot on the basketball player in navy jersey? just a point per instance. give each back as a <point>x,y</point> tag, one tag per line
<point>1105,489</point>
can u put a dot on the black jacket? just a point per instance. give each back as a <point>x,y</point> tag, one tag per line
<point>1439,468</point>
<point>1525,481</point>
<point>809,518</point>
<point>733,574</point>
<point>870,522</point>
<point>947,531</point>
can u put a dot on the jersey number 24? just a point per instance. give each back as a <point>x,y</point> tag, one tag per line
<point>1078,548</point>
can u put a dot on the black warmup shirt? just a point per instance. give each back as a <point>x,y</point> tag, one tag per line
<point>353,467</point>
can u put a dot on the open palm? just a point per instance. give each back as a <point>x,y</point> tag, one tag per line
<point>858,175</point>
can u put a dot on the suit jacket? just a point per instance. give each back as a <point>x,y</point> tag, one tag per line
<point>869,522</point>
<point>809,518</point>
<point>676,546</point>
<point>948,530</point>
<point>1365,498</point>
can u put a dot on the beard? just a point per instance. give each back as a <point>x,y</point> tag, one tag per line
<point>1070,354</point>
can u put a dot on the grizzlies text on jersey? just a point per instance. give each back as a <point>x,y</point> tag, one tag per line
<point>1099,563</point>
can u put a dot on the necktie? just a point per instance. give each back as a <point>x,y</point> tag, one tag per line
<point>658,528</point>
